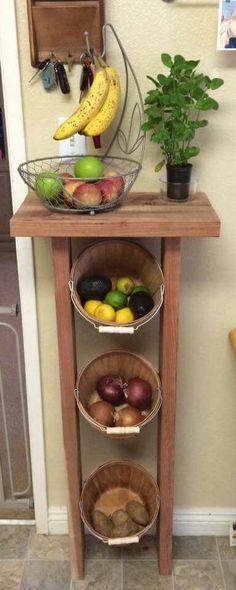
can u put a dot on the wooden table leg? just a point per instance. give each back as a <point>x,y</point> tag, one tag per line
<point>67,364</point>
<point>171,266</point>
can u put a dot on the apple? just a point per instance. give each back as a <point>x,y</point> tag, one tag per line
<point>87,195</point>
<point>119,181</point>
<point>108,189</point>
<point>48,185</point>
<point>89,167</point>
<point>65,176</point>
<point>69,189</point>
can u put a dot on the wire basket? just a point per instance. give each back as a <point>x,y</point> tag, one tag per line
<point>123,139</point>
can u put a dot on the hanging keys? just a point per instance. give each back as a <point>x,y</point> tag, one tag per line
<point>41,66</point>
<point>70,61</point>
<point>49,77</point>
<point>61,77</point>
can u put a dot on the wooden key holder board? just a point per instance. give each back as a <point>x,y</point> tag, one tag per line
<point>58,27</point>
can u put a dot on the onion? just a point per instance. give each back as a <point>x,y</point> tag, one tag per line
<point>128,417</point>
<point>110,388</point>
<point>102,412</point>
<point>138,393</point>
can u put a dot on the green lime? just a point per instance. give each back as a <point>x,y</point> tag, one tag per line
<point>116,299</point>
<point>141,288</point>
<point>48,185</point>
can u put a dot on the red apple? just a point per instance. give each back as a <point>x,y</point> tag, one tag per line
<point>87,195</point>
<point>69,189</point>
<point>108,189</point>
<point>65,176</point>
<point>118,180</point>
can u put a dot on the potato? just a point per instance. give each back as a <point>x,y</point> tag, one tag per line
<point>101,523</point>
<point>123,530</point>
<point>119,517</point>
<point>137,512</point>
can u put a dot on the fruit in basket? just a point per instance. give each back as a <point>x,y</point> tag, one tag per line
<point>138,393</point>
<point>91,305</point>
<point>48,185</point>
<point>117,180</point>
<point>128,417</point>
<point>124,316</point>
<point>88,107</point>
<point>125,285</point>
<point>89,167</point>
<point>107,113</point>
<point>141,304</point>
<point>94,287</point>
<point>137,512</point>
<point>66,176</point>
<point>87,195</point>
<point>102,412</point>
<point>140,289</point>
<point>101,523</point>
<point>116,299</point>
<point>110,389</point>
<point>105,313</point>
<point>69,189</point>
<point>108,189</point>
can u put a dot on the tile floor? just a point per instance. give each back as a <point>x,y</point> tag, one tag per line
<point>31,562</point>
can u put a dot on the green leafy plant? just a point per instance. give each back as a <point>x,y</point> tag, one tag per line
<point>175,108</point>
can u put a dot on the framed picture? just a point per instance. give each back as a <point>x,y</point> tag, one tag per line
<point>227,25</point>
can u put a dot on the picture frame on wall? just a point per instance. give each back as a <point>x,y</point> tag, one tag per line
<point>226,39</point>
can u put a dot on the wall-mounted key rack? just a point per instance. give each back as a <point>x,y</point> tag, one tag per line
<point>58,27</point>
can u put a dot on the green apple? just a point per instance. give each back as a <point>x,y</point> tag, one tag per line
<point>89,167</point>
<point>48,186</point>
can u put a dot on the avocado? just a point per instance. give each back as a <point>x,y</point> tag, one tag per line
<point>94,287</point>
<point>140,303</point>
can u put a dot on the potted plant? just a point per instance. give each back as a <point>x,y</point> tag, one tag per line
<point>174,112</point>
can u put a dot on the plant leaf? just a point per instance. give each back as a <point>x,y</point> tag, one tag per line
<point>154,81</point>
<point>206,104</point>
<point>216,83</point>
<point>166,60</point>
<point>179,60</point>
<point>159,166</point>
<point>147,126</point>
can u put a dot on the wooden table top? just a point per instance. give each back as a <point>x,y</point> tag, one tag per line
<point>140,215</point>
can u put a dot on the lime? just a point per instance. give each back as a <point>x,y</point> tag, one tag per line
<point>116,299</point>
<point>124,316</point>
<point>105,313</point>
<point>125,285</point>
<point>141,288</point>
<point>89,167</point>
<point>91,305</point>
<point>48,186</point>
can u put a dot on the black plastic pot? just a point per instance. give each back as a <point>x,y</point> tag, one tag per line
<point>178,181</point>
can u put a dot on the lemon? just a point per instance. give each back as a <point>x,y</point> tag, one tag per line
<point>116,299</point>
<point>125,285</point>
<point>124,316</point>
<point>91,305</point>
<point>105,313</point>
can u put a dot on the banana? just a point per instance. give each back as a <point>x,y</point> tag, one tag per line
<point>103,119</point>
<point>89,107</point>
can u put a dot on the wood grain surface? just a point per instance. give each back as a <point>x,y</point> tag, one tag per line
<point>140,215</point>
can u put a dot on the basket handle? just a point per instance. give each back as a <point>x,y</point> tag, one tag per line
<point>123,541</point>
<point>123,430</point>
<point>116,329</point>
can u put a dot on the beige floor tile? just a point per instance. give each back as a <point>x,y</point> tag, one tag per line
<point>145,549</point>
<point>48,547</point>
<point>198,575</point>
<point>14,541</point>
<point>229,569</point>
<point>101,575</point>
<point>95,549</point>
<point>226,552</point>
<point>143,575</point>
<point>42,574</point>
<point>195,548</point>
<point>10,574</point>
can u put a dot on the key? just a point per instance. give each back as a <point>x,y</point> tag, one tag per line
<point>61,77</point>
<point>42,65</point>
<point>48,77</point>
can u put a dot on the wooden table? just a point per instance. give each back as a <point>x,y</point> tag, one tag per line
<point>141,215</point>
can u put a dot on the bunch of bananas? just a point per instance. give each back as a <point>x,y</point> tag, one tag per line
<point>98,108</point>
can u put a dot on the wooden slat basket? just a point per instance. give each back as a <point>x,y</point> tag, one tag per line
<point>117,258</point>
<point>127,365</point>
<point>110,487</point>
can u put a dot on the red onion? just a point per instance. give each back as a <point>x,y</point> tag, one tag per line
<point>102,412</point>
<point>110,388</point>
<point>128,417</point>
<point>138,393</point>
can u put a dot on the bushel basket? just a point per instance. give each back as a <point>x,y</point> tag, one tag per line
<point>110,487</point>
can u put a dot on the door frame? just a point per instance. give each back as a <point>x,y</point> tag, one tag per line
<point>13,108</point>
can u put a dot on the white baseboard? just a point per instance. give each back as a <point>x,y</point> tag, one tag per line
<point>187,521</point>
